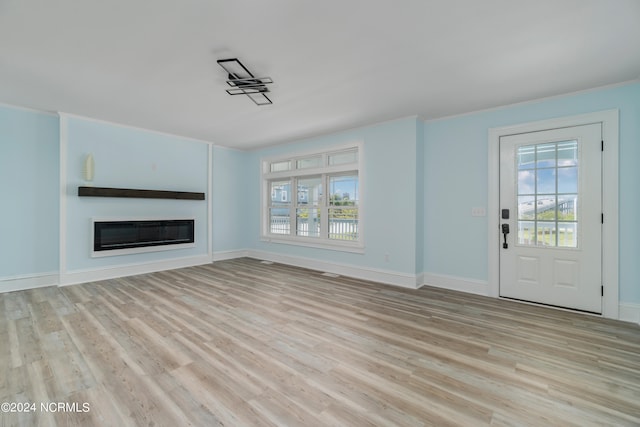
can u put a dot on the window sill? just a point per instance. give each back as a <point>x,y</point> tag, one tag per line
<point>352,247</point>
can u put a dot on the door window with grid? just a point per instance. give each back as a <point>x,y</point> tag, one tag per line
<point>548,194</point>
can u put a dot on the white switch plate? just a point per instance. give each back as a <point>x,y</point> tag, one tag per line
<point>478,212</point>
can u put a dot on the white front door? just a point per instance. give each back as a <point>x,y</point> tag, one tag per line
<point>551,201</point>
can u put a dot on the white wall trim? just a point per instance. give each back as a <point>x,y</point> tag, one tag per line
<point>92,275</point>
<point>630,312</point>
<point>210,202</point>
<point>29,109</point>
<point>316,136</point>
<point>454,283</point>
<point>534,101</point>
<point>64,142</point>
<point>32,281</point>
<point>225,255</point>
<point>137,128</point>
<point>312,242</point>
<point>404,280</point>
<point>610,236</point>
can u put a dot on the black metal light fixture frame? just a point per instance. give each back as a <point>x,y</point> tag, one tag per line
<point>243,82</point>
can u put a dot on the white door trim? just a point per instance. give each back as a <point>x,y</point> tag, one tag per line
<point>609,120</point>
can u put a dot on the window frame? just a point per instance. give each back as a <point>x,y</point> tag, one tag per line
<point>324,172</point>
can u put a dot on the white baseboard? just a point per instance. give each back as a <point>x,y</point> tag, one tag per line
<point>629,312</point>
<point>84,276</point>
<point>21,283</point>
<point>404,280</point>
<point>224,255</point>
<point>454,283</point>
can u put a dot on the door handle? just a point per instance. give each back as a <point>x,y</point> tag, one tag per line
<point>505,231</point>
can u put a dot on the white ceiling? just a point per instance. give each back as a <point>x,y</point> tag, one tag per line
<point>336,64</point>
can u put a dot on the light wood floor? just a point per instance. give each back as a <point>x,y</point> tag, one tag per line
<point>242,343</point>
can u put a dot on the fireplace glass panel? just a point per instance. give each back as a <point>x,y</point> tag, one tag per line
<point>113,235</point>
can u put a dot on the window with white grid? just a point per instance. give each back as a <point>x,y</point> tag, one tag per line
<point>313,199</point>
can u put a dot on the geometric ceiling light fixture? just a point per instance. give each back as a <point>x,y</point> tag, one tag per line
<point>242,82</point>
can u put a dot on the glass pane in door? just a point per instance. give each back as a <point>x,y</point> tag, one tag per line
<point>547,191</point>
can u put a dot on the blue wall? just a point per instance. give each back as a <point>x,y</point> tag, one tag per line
<point>455,163</point>
<point>230,201</point>
<point>131,158</point>
<point>29,184</point>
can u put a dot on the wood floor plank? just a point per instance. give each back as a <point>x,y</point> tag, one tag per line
<point>243,343</point>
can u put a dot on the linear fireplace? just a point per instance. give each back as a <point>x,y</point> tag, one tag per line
<point>111,237</point>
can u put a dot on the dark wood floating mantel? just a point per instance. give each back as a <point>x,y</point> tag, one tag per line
<point>140,194</point>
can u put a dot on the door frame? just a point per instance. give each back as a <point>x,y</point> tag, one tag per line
<point>610,133</point>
